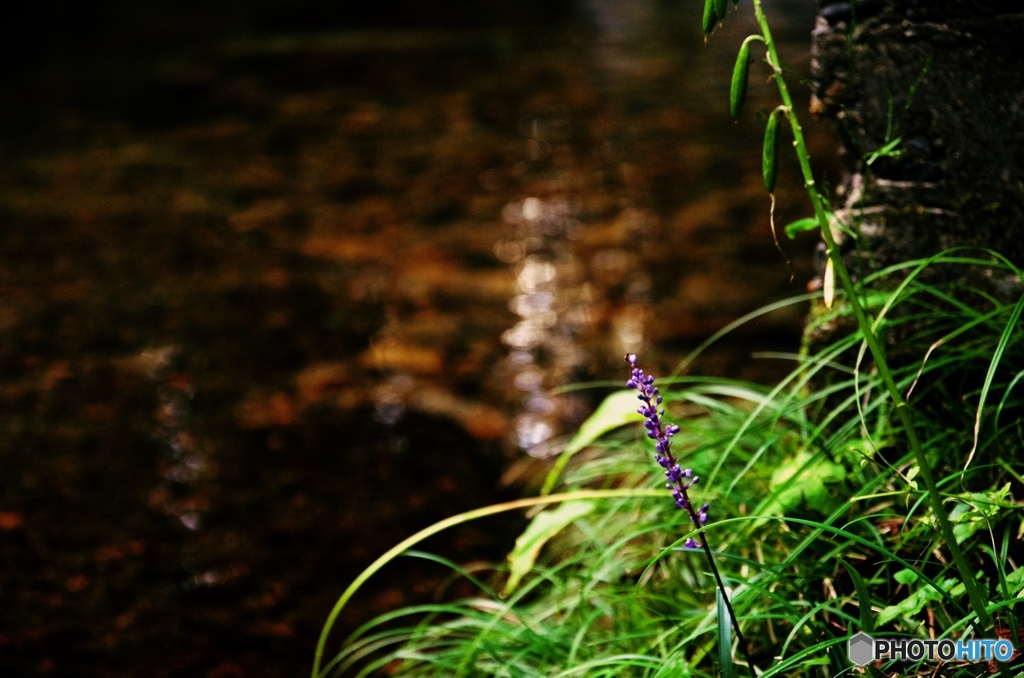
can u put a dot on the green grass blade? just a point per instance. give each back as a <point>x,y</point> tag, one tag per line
<point>724,636</point>
<point>867,619</point>
<point>440,526</point>
<point>1004,340</point>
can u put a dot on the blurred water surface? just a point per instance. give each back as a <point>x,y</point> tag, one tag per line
<point>276,297</point>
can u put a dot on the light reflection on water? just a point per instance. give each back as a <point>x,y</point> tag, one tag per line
<point>627,218</point>
<point>185,463</point>
<point>586,291</point>
<point>553,342</point>
<point>552,305</point>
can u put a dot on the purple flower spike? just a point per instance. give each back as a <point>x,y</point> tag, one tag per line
<point>679,480</point>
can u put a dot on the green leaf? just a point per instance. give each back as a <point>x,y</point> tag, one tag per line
<point>886,151</point>
<point>978,511</point>
<point>912,604</point>
<point>770,152</point>
<point>710,16</point>
<point>867,619</point>
<point>802,479</point>
<point>1008,332</point>
<point>740,75</point>
<point>965,522</point>
<point>720,8</point>
<point>724,636</point>
<point>906,577</point>
<point>618,409</point>
<point>543,527</point>
<point>801,225</point>
<point>1015,581</point>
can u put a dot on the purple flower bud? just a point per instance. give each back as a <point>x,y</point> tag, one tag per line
<point>679,480</point>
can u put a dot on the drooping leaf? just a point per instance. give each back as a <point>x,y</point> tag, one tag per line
<point>770,153</point>
<point>542,528</point>
<point>618,409</point>
<point>740,75</point>
<point>1008,332</point>
<point>711,17</point>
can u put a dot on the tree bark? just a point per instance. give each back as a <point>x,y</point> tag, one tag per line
<point>942,83</point>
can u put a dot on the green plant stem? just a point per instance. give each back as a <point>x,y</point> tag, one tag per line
<point>901,406</point>
<point>437,527</point>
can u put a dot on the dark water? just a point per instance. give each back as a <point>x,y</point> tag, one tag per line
<point>275,297</point>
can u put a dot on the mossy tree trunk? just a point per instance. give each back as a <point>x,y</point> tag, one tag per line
<point>940,84</point>
<point>927,97</point>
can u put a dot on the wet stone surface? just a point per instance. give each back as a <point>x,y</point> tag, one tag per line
<point>271,307</point>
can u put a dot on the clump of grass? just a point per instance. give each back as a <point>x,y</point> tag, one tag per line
<point>821,527</point>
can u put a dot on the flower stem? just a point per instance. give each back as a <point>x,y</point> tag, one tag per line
<point>901,406</point>
<point>680,480</point>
